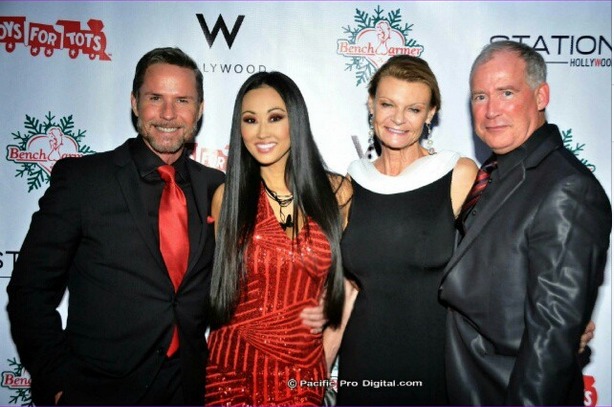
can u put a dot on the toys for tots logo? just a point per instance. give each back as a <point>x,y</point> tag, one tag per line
<point>65,34</point>
<point>211,157</point>
<point>376,38</point>
<point>590,392</point>
<point>43,145</point>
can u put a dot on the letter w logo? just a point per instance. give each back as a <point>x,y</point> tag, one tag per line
<point>220,24</point>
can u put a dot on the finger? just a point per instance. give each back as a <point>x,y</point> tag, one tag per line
<point>314,323</point>
<point>313,317</point>
<point>586,337</point>
<point>312,311</point>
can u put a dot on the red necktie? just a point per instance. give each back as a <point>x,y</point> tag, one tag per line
<point>482,180</point>
<point>174,242</point>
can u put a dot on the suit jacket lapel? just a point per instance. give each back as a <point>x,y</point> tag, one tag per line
<point>127,177</point>
<point>508,186</point>
<point>200,189</point>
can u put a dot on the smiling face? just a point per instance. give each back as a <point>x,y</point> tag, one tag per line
<point>506,111</point>
<point>400,109</point>
<point>167,109</point>
<point>265,127</point>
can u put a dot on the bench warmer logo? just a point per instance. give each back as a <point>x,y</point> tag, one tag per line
<point>18,382</point>
<point>43,144</point>
<point>374,39</point>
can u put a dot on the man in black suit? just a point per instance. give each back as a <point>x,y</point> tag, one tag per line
<point>523,281</point>
<point>96,233</point>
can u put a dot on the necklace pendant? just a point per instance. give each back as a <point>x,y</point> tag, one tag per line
<point>287,223</point>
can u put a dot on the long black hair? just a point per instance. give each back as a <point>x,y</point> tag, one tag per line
<point>307,179</point>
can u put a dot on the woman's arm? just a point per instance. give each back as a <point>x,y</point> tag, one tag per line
<point>463,177</point>
<point>342,187</point>
<point>332,336</point>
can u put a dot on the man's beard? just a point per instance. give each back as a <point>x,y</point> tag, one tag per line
<point>163,148</point>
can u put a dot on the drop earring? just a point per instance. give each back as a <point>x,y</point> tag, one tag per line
<point>429,139</point>
<point>371,148</point>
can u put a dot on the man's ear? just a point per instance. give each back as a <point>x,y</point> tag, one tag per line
<point>201,109</point>
<point>542,96</point>
<point>134,103</point>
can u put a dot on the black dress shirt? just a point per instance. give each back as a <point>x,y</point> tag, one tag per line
<point>505,162</point>
<point>152,185</point>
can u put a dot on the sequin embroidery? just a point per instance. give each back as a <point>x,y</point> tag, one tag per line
<point>264,354</point>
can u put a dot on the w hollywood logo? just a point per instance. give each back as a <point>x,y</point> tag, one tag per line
<point>220,25</point>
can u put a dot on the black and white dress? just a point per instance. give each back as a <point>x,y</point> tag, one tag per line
<point>399,238</point>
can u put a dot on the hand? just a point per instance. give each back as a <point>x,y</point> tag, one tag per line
<point>58,396</point>
<point>314,318</point>
<point>587,336</point>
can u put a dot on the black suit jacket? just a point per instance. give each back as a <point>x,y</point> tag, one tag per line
<point>523,282</point>
<point>92,235</point>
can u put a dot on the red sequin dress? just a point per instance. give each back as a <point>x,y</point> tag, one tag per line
<point>265,355</point>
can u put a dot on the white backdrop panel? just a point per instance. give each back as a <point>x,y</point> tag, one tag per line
<point>299,39</point>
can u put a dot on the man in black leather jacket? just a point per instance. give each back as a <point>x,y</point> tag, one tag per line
<point>523,281</point>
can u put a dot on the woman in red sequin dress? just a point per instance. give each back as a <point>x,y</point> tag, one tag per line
<point>278,228</point>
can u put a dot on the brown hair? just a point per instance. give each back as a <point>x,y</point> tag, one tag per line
<point>171,56</point>
<point>410,69</point>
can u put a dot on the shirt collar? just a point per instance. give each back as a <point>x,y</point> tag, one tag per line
<point>147,162</point>
<point>505,162</point>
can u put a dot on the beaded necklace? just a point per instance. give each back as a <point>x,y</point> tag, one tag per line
<point>283,201</point>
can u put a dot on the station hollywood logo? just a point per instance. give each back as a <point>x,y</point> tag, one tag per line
<point>18,382</point>
<point>573,50</point>
<point>374,39</point>
<point>64,35</point>
<point>42,145</point>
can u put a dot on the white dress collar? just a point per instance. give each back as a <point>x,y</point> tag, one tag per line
<point>421,172</point>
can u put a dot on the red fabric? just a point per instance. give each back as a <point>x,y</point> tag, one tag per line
<point>256,358</point>
<point>174,241</point>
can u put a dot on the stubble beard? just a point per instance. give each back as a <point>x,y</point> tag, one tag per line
<point>162,148</point>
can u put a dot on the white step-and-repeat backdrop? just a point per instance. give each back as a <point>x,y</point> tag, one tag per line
<point>70,65</point>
